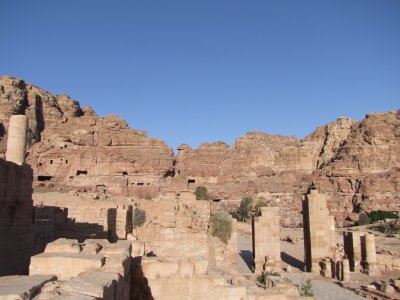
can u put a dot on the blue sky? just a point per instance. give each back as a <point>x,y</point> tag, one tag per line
<point>203,71</point>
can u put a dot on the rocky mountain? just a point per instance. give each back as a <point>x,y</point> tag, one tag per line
<point>71,148</point>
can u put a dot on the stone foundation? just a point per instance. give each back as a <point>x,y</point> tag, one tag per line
<point>16,228</point>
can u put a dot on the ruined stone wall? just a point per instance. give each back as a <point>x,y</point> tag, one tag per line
<point>188,278</point>
<point>85,218</point>
<point>16,228</point>
<point>175,228</point>
<point>67,269</point>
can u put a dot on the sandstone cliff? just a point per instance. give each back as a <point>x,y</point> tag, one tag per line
<point>356,163</point>
<point>72,148</point>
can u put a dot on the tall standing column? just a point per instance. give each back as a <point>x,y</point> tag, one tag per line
<point>266,240</point>
<point>370,255</point>
<point>319,230</point>
<point>16,141</point>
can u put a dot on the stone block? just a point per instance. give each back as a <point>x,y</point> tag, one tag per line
<point>91,248</point>
<point>22,287</point>
<point>138,248</point>
<point>186,269</point>
<point>160,269</point>
<point>100,284</point>
<point>64,265</point>
<point>387,288</point>
<point>118,263</point>
<point>200,265</point>
<point>120,247</point>
<point>63,246</point>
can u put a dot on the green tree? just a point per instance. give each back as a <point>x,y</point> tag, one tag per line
<point>221,225</point>
<point>378,215</point>
<point>201,193</point>
<point>244,209</point>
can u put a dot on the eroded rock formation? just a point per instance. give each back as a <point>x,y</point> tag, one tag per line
<point>356,163</point>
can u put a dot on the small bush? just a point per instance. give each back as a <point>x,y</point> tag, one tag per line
<point>139,217</point>
<point>306,289</point>
<point>201,193</point>
<point>221,225</point>
<point>243,212</point>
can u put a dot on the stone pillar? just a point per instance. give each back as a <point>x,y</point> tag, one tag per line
<point>230,255</point>
<point>370,256</point>
<point>123,222</point>
<point>338,270</point>
<point>16,141</point>
<point>319,230</point>
<point>326,268</point>
<point>353,248</point>
<point>345,270</point>
<point>266,240</point>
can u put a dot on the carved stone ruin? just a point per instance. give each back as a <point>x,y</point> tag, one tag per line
<point>360,248</point>
<point>266,241</point>
<point>319,231</point>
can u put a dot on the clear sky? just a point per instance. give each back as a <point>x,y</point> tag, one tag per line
<point>196,71</point>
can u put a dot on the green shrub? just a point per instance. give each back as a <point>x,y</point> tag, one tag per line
<point>201,193</point>
<point>243,212</point>
<point>139,217</point>
<point>378,215</point>
<point>221,225</point>
<point>306,289</point>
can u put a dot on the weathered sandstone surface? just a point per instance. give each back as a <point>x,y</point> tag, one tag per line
<point>356,163</point>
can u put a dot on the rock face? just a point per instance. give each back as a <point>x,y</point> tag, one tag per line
<point>72,148</point>
<point>356,163</point>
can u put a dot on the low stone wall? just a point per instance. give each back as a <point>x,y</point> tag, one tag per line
<point>84,218</point>
<point>67,269</point>
<point>175,228</point>
<point>170,278</point>
<point>16,228</point>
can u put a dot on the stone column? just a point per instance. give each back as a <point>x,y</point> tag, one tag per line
<point>16,141</point>
<point>345,270</point>
<point>353,248</point>
<point>370,255</point>
<point>230,255</point>
<point>319,230</point>
<point>326,268</point>
<point>266,240</point>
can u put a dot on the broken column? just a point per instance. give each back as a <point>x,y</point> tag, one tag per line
<point>370,256</point>
<point>326,268</point>
<point>16,141</point>
<point>266,240</point>
<point>319,230</point>
<point>353,249</point>
<point>345,270</point>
